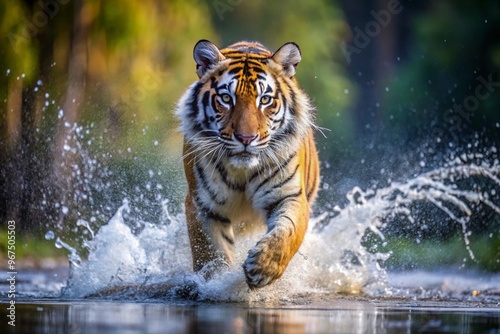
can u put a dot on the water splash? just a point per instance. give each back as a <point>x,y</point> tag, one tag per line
<point>154,261</point>
<point>73,257</point>
<point>83,222</point>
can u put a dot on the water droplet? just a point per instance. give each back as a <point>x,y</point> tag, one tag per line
<point>58,243</point>
<point>49,235</point>
<point>65,210</point>
<point>346,91</point>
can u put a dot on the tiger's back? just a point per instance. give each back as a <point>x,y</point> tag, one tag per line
<point>249,156</point>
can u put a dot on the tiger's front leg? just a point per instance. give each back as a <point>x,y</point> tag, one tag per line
<point>268,259</point>
<point>212,240</point>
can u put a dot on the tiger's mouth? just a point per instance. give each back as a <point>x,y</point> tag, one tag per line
<point>244,154</point>
<point>244,159</point>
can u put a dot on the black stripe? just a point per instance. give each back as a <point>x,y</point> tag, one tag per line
<point>258,69</point>
<point>235,70</point>
<point>310,192</point>
<point>271,208</point>
<point>312,187</point>
<point>223,174</point>
<point>308,161</point>
<point>215,216</point>
<point>194,100</point>
<point>255,62</point>
<point>246,66</point>
<point>292,97</point>
<point>284,102</point>
<point>290,130</point>
<point>228,239</point>
<point>262,138</point>
<point>276,171</point>
<point>282,183</point>
<point>205,101</point>
<point>214,107</point>
<point>211,214</point>
<point>280,121</point>
<point>224,86</point>
<point>213,82</point>
<point>292,222</point>
<point>205,185</point>
<point>197,127</point>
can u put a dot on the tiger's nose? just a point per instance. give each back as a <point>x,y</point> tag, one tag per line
<point>245,139</point>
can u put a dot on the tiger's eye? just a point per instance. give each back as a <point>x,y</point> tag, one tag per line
<point>265,99</point>
<point>226,98</point>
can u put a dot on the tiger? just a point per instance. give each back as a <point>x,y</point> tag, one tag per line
<point>249,157</point>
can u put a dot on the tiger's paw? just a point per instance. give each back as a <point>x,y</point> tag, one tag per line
<point>264,265</point>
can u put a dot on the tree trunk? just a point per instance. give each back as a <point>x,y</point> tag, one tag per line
<point>74,96</point>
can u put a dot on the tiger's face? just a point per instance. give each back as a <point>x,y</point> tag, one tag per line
<point>245,107</point>
<point>242,105</point>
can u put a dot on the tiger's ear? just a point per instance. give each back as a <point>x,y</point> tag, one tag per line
<point>288,56</point>
<point>206,55</point>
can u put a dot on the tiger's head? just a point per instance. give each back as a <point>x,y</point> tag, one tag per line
<point>246,108</point>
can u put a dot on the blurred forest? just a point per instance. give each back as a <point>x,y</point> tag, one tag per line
<point>87,90</point>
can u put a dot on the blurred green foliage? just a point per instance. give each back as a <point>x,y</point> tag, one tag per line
<point>432,254</point>
<point>30,249</point>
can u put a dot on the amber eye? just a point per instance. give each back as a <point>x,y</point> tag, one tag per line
<point>226,98</point>
<point>265,99</point>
